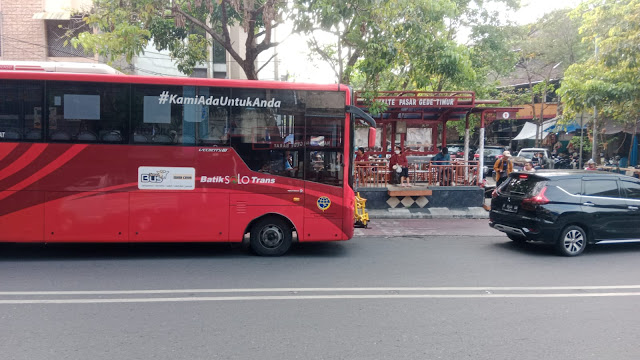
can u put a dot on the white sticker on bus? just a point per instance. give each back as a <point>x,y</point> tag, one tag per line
<point>166,178</point>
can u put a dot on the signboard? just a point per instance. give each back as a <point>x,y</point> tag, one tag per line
<point>419,101</point>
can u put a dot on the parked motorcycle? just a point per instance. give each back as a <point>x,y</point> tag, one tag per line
<point>562,163</point>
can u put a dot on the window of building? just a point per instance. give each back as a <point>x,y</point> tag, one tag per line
<point>219,54</point>
<point>0,35</point>
<point>59,33</point>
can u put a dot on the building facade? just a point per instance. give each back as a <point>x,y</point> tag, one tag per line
<point>34,30</point>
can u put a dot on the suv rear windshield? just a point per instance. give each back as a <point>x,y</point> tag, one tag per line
<point>528,154</point>
<point>522,186</point>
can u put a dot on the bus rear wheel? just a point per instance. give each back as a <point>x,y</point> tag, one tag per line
<point>271,237</point>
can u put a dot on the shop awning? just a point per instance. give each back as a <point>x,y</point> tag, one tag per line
<point>56,15</point>
<point>529,130</point>
<point>569,127</point>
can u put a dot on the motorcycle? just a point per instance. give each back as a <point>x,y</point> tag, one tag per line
<point>562,163</point>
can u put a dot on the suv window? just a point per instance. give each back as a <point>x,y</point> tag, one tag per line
<point>632,189</point>
<point>572,186</point>
<point>522,186</point>
<point>602,188</point>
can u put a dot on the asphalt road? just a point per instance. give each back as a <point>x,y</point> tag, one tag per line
<point>378,296</point>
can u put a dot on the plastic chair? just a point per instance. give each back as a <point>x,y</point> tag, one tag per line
<point>60,136</point>
<point>162,139</point>
<point>11,135</point>
<point>113,136</point>
<point>34,134</point>
<point>87,136</point>
<point>139,138</point>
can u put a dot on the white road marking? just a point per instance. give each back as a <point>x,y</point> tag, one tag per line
<point>312,297</point>
<point>488,292</point>
<point>346,289</point>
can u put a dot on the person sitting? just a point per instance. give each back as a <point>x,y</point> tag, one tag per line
<point>289,169</point>
<point>363,171</point>
<point>528,166</point>
<point>542,162</point>
<point>398,164</point>
<point>442,160</point>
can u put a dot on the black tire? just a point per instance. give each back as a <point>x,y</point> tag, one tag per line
<point>572,241</point>
<point>517,239</point>
<point>270,237</point>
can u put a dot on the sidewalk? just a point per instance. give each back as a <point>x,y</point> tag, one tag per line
<point>426,227</point>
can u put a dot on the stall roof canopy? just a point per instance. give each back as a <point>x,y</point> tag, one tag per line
<point>550,126</point>
<point>529,130</point>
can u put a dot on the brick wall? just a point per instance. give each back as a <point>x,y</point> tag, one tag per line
<point>23,38</point>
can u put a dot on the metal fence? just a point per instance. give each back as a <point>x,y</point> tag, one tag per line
<point>376,173</point>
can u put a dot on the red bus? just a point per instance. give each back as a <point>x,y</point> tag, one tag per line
<point>118,158</point>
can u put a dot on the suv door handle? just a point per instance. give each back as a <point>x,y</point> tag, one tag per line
<point>588,203</point>
<point>630,207</point>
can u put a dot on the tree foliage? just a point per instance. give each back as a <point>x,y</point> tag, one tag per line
<point>184,27</point>
<point>404,44</point>
<point>609,80</point>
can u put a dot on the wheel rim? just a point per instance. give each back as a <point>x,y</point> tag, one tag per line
<point>573,241</point>
<point>271,236</point>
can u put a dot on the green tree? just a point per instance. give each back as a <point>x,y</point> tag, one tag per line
<point>402,44</point>
<point>609,80</point>
<point>545,48</point>
<point>184,27</point>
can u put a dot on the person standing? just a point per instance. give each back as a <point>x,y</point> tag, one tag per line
<point>503,167</point>
<point>591,165</point>
<point>399,164</point>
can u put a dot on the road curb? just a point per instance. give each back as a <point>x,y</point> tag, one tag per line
<point>430,213</point>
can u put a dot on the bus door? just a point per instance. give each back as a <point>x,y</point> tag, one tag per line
<point>324,175</point>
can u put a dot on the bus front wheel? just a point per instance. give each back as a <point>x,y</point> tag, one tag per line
<point>270,237</point>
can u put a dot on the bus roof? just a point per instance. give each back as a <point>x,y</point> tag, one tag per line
<point>89,72</point>
<point>60,67</point>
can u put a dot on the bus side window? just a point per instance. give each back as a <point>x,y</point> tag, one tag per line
<point>87,112</point>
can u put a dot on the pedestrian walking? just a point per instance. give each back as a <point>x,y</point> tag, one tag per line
<point>503,167</point>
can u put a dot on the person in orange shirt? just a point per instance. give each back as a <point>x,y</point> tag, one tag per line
<point>503,167</point>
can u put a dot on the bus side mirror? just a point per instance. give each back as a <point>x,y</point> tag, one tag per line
<point>372,137</point>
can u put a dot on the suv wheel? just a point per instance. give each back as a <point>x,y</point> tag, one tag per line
<point>572,241</point>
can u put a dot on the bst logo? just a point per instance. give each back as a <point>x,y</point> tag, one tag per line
<point>156,177</point>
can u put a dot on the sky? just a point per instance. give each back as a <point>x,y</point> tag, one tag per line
<point>293,54</point>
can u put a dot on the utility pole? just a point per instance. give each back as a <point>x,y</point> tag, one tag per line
<point>594,144</point>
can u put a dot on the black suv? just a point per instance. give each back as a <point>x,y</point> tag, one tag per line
<point>568,208</point>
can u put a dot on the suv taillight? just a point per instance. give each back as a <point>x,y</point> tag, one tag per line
<point>532,202</point>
